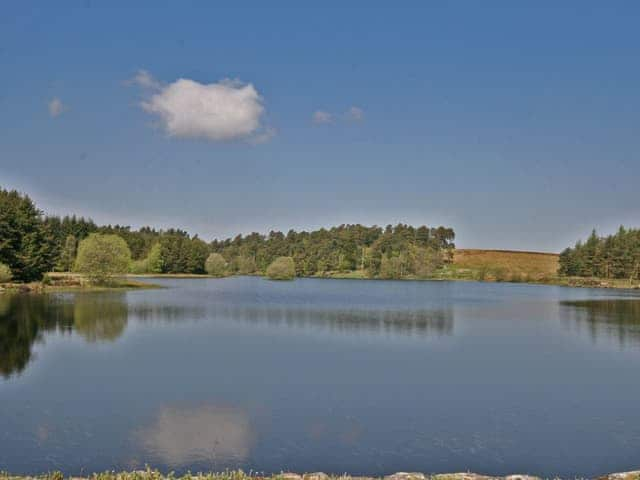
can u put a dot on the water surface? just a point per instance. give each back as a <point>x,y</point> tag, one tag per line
<point>366,377</point>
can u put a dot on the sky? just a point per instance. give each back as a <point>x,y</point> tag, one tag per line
<point>515,123</point>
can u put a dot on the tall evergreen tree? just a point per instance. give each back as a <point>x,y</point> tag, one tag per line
<point>25,244</point>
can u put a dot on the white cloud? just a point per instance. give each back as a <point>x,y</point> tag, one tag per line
<point>263,136</point>
<point>222,111</point>
<point>355,114</point>
<point>56,107</point>
<point>145,80</point>
<point>320,117</point>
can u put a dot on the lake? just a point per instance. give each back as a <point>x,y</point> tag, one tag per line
<point>364,377</point>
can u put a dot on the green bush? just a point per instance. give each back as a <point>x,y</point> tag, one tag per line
<point>139,266</point>
<point>5,273</point>
<point>246,265</point>
<point>154,259</point>
<point>152,263</point>
<point>282,268</point>
<point>102,256</point>
<point>216,265</point>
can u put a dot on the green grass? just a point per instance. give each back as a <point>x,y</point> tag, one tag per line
<point>73,282</point>
<point>240,475</point>
<point>353,274</point>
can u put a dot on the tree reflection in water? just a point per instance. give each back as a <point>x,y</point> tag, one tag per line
<point>24,319</point>
<point>617,319</point>
<point>100,317</point>
<point>103,317</point>
<point>404,322</point>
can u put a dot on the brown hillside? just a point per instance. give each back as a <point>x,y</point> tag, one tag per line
<point>507,262</point>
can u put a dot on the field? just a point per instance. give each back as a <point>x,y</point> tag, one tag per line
<point>502,265</point>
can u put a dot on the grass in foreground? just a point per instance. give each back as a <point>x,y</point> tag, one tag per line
<point>240,475</point>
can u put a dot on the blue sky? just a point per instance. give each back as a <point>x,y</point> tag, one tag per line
<point>516,123</point>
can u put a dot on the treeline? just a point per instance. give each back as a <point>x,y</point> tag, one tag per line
<point>391,252</point>
<point>31,244</point>
<point>613,256</point>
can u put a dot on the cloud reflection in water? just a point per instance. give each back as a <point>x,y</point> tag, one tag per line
<point>205,434</point>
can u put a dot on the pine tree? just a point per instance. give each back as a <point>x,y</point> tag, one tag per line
<point>68,255</point>
<point>24,244</point>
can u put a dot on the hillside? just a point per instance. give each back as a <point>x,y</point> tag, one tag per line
<point>503,265</point>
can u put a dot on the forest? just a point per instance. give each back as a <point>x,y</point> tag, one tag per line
<point>611,256</point>
<point>32,244</point>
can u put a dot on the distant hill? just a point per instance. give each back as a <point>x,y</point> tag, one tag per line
<point>504,265</point>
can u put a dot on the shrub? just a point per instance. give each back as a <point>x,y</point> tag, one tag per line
<point>5,273</point>
<point>282,268</point>
<point>154,259</point>
<point>139,266</point>
<point>101,256</point>
<point>216,265</point>
<point>152,263</point>
<point>246,265</point>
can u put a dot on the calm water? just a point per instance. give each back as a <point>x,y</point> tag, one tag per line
<point>341,376</point>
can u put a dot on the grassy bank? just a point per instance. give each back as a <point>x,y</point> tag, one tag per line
<point>73,282</point>
<point>169,275</point>
<point>239,475</point>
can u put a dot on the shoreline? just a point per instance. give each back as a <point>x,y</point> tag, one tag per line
<point>573,282</point>
<point>240,475</point>
<point>70,282</point>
